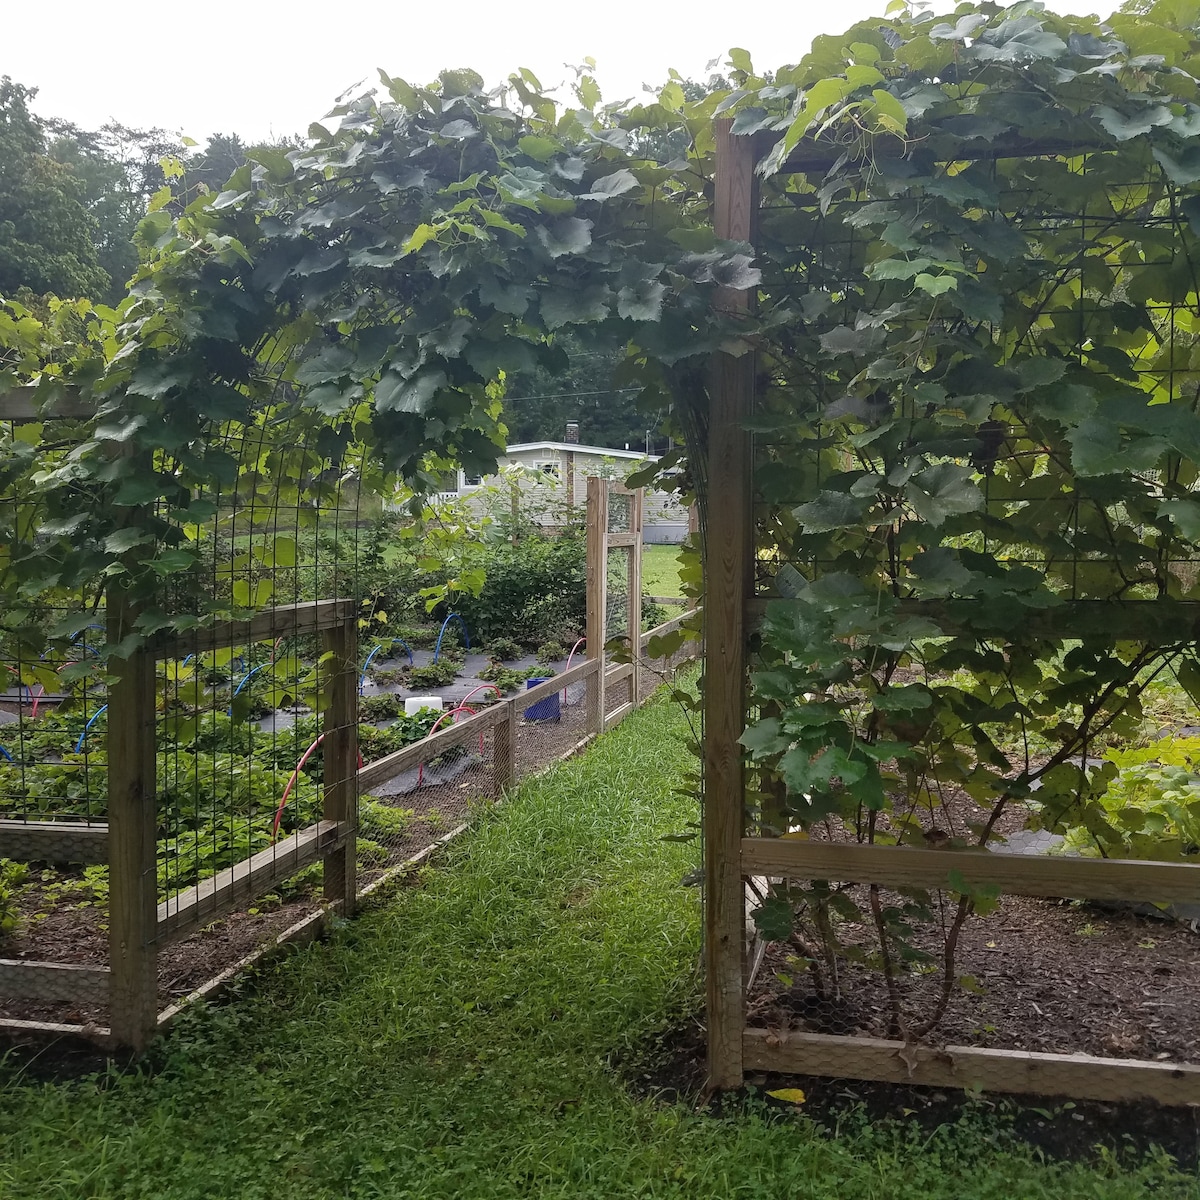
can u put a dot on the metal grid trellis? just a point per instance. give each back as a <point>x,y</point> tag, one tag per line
<point>815,1005</point>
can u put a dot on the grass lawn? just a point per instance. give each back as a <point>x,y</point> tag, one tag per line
<point>660,571</point>
<point>457,1041</point>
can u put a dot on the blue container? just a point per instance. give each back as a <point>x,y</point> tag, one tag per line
<point>549,709</point>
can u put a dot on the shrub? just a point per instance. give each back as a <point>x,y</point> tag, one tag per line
<point>531,592</point>
<point>653,615</point>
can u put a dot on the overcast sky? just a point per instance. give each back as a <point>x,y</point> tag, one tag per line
<point>262,69</point>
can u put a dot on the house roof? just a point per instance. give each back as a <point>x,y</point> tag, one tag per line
<point>599,451</point>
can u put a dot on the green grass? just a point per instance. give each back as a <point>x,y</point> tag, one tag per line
<point>660,571</point>
<point>457,1042</point>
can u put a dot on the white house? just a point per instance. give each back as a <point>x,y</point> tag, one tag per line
<point>552,478</point>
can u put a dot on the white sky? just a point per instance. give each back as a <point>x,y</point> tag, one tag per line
<point>263,69</point>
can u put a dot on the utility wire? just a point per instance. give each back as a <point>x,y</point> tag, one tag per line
<point>563,395</point>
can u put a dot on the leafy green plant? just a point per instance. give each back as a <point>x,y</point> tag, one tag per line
<point>1150,808</point>
<point>505,678</point>
<point>434,675</point>
<point>503,649</point>
<point>12,876</point>
<point>380,708</point>
<point>549,652</point>
<point>382,821</point>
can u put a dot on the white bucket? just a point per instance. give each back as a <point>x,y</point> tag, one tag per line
<point>414,704</point>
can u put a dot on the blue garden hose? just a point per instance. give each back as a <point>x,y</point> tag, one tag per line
<point>362,679</point>
<point>441,632</point>
<point>6,754</point>
<point>242,683</point>
<point>91,722</point>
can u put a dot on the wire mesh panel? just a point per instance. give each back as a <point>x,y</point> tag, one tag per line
<point>951,498</point>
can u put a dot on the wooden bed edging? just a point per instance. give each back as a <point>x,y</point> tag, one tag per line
<point>1020,1072</point>
<point>70,983</point>
<point>1016,874</point>
<point>244,881</point>
<point>54,841</point>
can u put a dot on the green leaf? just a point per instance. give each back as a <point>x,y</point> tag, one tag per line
<point>394,393</point>
<point>567,235</point>
<point>575,306</point>
<point>542,149</point>
<point>616,184</point>
<point>764,737</point>
<point>773,918</point>
<point>936,285</point>
<point>1123,127</point>
<point>941,491</point>
<point>643,302</point>
<point>830,510</point>
<point>1185,515</point>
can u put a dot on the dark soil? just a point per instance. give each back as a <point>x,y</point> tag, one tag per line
<point>1051,976</point>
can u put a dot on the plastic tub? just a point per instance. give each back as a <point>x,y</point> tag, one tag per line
<point>414,704</point>
<point>549,709</point>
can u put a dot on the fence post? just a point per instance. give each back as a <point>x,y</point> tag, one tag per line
<point>728,564</point>
<point>340,757</point>
<point>504,750</point>
<point>636,499</point>
<point>132,837</point>
<point>597,596</point>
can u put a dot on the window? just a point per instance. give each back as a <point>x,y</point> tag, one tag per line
<point>472,481</point>
<point>548,468</point>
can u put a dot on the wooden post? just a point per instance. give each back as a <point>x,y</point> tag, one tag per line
<point>340,757</point>
<point>729,559</point>
<point>634,584</point>
<point>504,750</point>
<point>132,837</point>
<point>597,596</point>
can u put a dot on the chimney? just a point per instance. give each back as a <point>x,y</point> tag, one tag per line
<point>573,433</point>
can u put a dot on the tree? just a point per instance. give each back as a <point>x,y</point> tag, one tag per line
<point>46,232</point>
<point>118,169</point>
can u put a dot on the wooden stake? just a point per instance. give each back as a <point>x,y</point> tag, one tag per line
<point>597,595</point>
<point>340,757</point>
<point>132,832</point>
<point>729,551</point>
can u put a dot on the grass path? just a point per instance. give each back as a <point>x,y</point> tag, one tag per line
<point>456,1041</point>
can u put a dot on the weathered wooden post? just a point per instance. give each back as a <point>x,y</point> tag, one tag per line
<point>340,758</point>
<point>597,596</point>
<point>728,564</point>
<point>132,836</point>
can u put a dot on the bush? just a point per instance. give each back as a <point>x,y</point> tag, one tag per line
<point>653,615</point>
<point>533,590</point>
